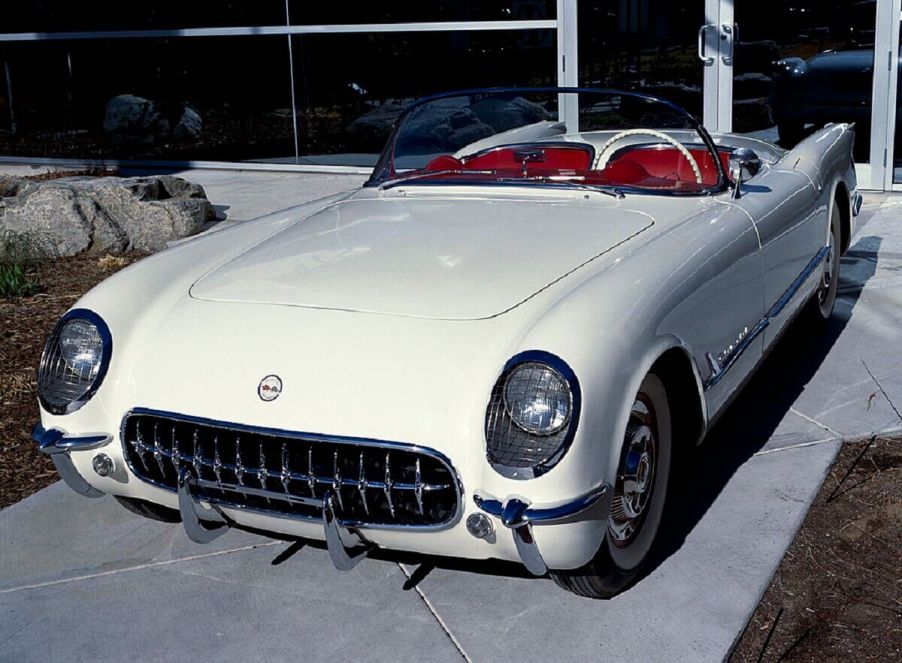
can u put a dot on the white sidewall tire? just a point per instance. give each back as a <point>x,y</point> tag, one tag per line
<point>825,308</point>
<point>633,555</point>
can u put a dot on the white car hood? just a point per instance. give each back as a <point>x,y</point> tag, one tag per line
<point>458,259</point>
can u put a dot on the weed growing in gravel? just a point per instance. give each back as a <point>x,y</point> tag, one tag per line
<point>14,282</point>
<point>19,256</point>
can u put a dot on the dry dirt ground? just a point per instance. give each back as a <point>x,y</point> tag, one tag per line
<point>837,595</point>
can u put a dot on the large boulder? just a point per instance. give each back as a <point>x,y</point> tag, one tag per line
<point>73,215</point>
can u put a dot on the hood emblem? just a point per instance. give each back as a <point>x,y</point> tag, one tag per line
<point>269,388</point>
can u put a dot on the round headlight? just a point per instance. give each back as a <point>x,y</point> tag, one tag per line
<point>74,361</point>
<point>532,415</point>
<point>81,346</point>
<point>537,398</point>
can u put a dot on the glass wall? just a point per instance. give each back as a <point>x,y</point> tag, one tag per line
<point>803,63</point>
<point>643,44</point>
<point>321,98</point>
<point>346,106</point>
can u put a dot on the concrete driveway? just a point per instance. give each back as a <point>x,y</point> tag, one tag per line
<point>86,580</point>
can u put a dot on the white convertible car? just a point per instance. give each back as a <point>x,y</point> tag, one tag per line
<point>493,349</point>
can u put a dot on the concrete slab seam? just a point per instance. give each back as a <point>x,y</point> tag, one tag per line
<point>837,438</point>
<point>814,421</point>
<point>437,617</point>
<point>138,567</point>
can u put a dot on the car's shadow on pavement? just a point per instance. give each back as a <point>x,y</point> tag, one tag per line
<point>752,419</point>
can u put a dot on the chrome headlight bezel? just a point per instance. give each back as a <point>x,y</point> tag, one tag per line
<point>520,452</point>
<point>52,363</point>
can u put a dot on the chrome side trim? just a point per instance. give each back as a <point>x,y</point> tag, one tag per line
<point>719,369</point>
<point>520,517</point>
<point>57,445</point>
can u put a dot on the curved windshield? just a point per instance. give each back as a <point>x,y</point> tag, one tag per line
<point>600,139</point>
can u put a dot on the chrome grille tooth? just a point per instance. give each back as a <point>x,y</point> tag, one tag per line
<point>336,480</point>
<point>388,484</point>
<point>286,471</point>
<point>217,461</point>
<point>418,487</point>
<point>158,447</point>
<point>141,447</point>
<point>262,473</point>
<point>196,458</point>
<point>311,478</point>
<point>361,486</point>
<point>176,460</point>
<point>239,465</point>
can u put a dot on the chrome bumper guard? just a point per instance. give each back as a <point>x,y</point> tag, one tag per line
<point>57,445</point>
<point>203,525</point>
<point>520,517</point>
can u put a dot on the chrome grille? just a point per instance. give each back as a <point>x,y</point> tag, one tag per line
<point>378,484</point>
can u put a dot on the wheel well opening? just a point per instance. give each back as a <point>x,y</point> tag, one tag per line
<point>674,368</point>
<point>845,215</point>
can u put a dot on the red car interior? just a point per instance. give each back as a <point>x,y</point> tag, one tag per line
<point>656,167</point>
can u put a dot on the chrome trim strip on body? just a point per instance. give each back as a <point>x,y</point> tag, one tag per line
<point>719,369</point>
<point>57,445</point>
<point>164,452</point>
<point>519,517</point>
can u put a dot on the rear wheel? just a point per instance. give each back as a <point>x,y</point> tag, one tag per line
<point>150,510</point>
<point>820,308</point>
<point>638,502</point>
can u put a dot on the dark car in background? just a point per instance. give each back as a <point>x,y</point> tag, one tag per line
<point>833,86</point>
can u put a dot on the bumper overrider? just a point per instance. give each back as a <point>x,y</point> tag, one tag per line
<point>204,518</point>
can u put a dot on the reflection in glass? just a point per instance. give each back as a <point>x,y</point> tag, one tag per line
<point>802,64</point>
<point>305,12</point>
<point>93,15</point>
<point>223,98</point>
<point>347,106</point>
<point>648,45</point>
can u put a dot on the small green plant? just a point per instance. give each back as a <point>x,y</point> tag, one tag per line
<point>14,282</point>
<point>19,254</point>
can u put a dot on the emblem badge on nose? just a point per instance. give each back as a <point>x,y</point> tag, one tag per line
<point>269,388</point>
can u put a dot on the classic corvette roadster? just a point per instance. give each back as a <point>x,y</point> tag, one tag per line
<point>496,348</point>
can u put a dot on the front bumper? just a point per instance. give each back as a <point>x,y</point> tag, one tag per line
<point>58,445</point>
<point>348,545</point>
<point>520,517</point>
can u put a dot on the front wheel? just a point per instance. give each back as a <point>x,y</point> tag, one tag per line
<point>638,501</point>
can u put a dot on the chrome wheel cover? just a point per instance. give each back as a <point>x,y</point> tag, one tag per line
<point>823,292</point>
<point>636,475</point>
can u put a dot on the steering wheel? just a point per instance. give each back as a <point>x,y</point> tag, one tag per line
<point>604,154</point>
